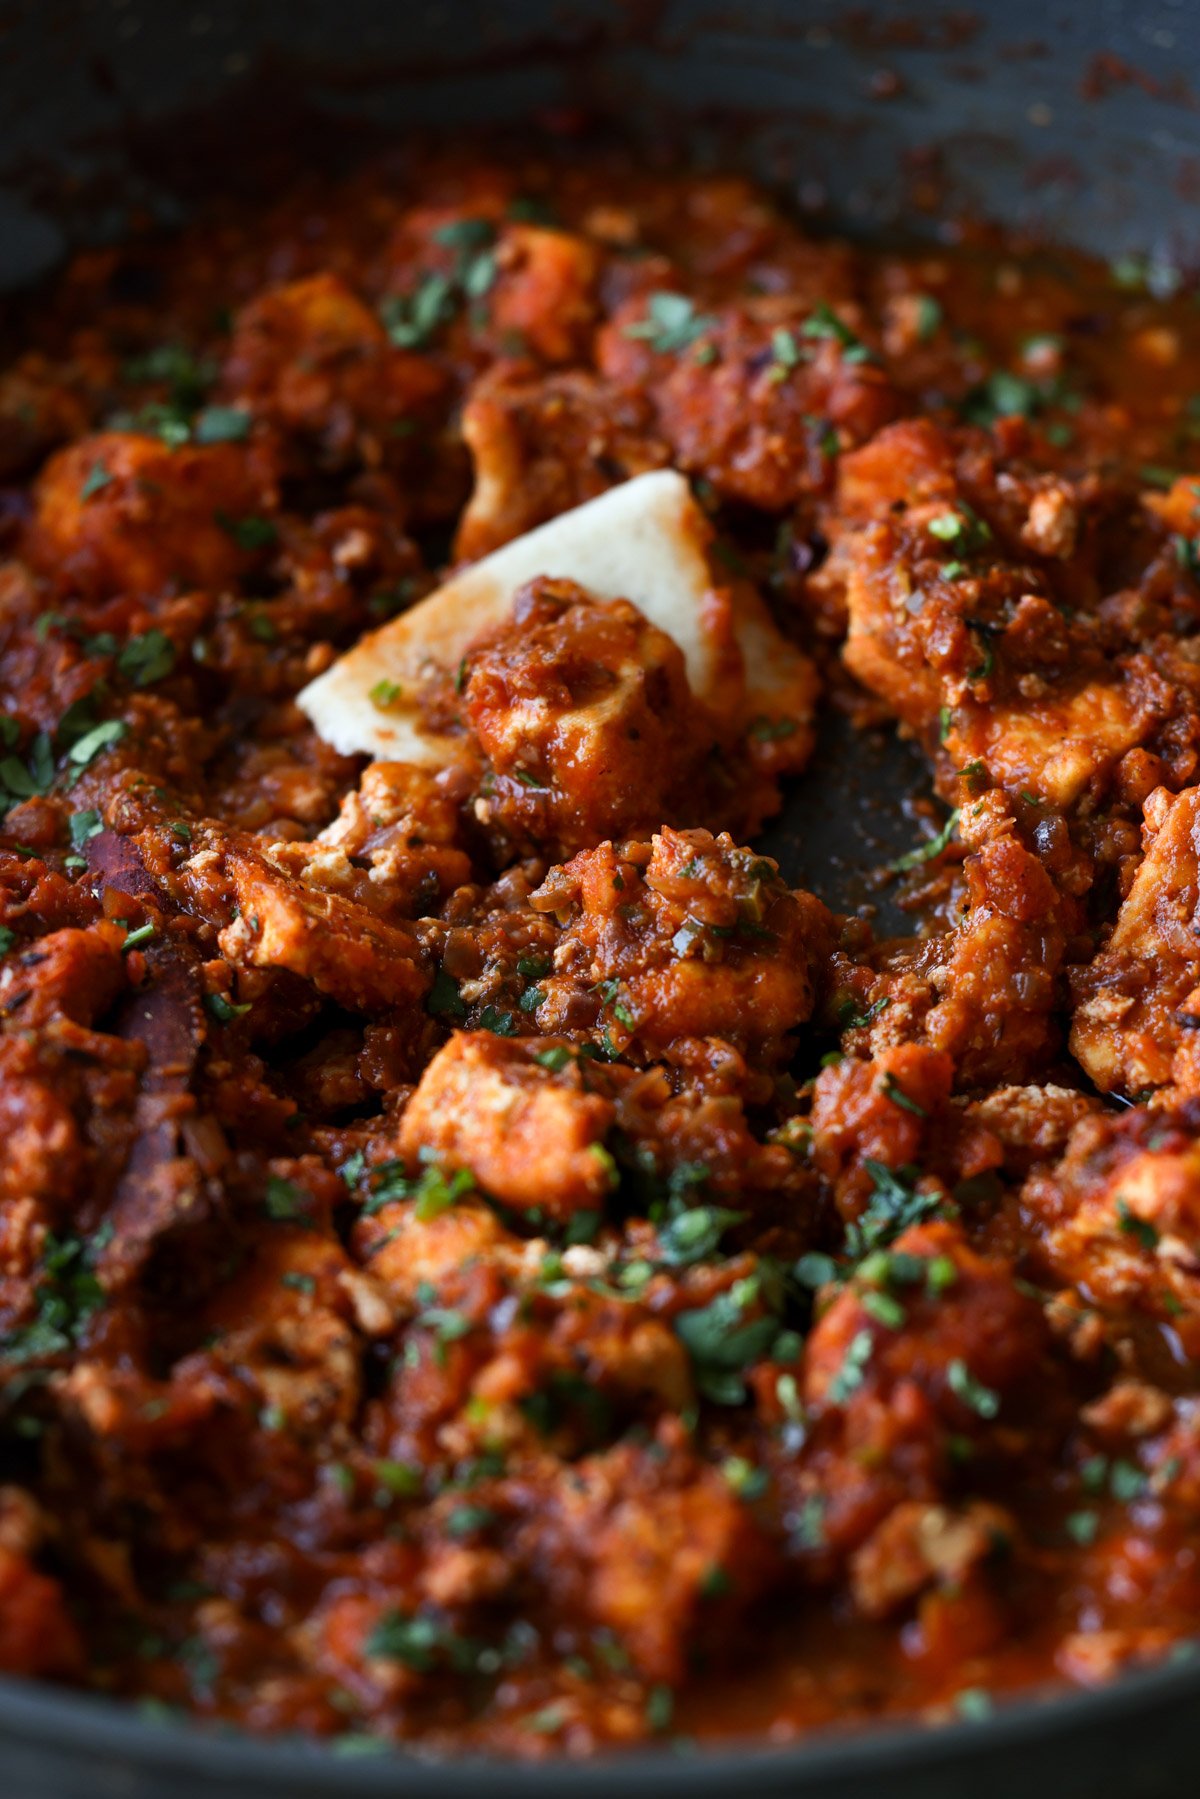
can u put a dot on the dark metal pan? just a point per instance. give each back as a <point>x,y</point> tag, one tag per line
<point>1073,118</point>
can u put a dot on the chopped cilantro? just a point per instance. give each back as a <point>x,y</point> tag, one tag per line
<point>501,1024</point>
<point>465,234</point>
<point>434,1194</point>
<point>97,480</point>
<point>929,317</point>
<point>853,1371</point>
<point>815,1269</point>
<point>419,1643</point>
<point>973,1394</point>
<point>399,1478</point>
<point>532,209</point>
<point>444,999</point>
<point>1134,1226</point>
<point>101,737</point>
<point>466,1520</point>
<point>806,1528</point>
<point>891,1087</point>
<point>941,1274</point>
<point>747,1481</point>
<point>547,1721</point>
<point>723,1343</point>
<point>785,351</point>
<point>851,1019</point>
<point>692,1234</point>
<point>671,323</point>
<point>1187,555</point>
<point>411,320</point>
<point>250,533</point>
<point>895,1204</point>
<point>68,1294</point>
<point>285,1203</point>
<point>221,425</point>
<point>825,323</point>
<point>884,1309</point>
<point>147,658</point>
<point>187,375</point>
<point>773,730</point>
<point>223,1009</point>
<point>926,852</point>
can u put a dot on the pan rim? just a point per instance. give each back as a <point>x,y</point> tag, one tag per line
<point>89,1724</point>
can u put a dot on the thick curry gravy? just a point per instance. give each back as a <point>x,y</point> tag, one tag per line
<point>511,1273</point>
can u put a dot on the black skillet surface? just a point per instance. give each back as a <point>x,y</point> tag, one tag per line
<point>1072,116</point>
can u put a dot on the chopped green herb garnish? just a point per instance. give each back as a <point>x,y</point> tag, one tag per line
<point>853,1371</point>
<point>978,1398</point>
<point>222,1009</point>
<point>101,737</point>
<point>773,730</point>
<point>97,480</point>
<point>884,1309</point>
<point>926,852</point>
<point>825,323</point>
<point>83,826</point>
<point>1083,1527</point>
<point>1132,1225</point>
<point>411,320</point>
<point>723,1343</point>
<point>501,1024</point>
<point>929,317</point>
<point>785,351</point>
<point>251,533</point>
<point>895,1092</point>
<point>147,658</point>
<point>221,425</point>
<point>285,1203</point>
<point>444,999</point>
<point>671,323</point>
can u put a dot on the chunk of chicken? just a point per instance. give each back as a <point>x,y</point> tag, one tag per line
<point>314,359</point>
<point>1119,1215</point>
<point>1137,1015</point>
<point>751,395</point>
<point>636,1542</point>
<point>586,718</point>
<point>118,513</point>
<point>685,937</point>
<point>541,445</point>
<point>531,1136</point>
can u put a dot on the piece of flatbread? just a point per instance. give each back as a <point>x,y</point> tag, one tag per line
<point>646,541</point>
